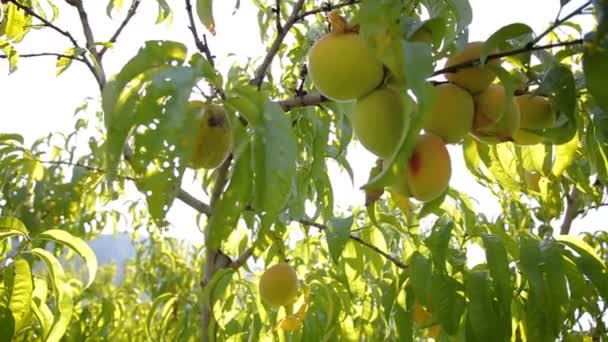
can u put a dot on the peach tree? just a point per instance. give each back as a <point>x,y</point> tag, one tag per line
<point>278,259</point>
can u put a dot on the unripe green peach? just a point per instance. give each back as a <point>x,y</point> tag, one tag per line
<point>214,138</point>
<point>474,79</point>
<point>495,120</point>
<point>279,285</point>
<point>451,117</point>
<point>536,113</point>
<point>343,67</point>
<point>379,120</point>
<point>429,168</point>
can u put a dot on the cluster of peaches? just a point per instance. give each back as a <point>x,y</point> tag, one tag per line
<point>343,67</point>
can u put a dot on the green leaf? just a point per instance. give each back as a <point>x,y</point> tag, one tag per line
<point>11,54</point>
<point>118,100</point>
<point>11,136</point>
<point>588,262</point>
<point>63,63</point>
<point>217,285</point>
<point>420,277</point>
<point>16,23</point>
<point>462,10</point>
<point>62,292</point>
<point>21,293</point>
<point>498,264</point>
<point>76,244</point>
<point>275,153</point>
<point>11,226</point>
<point>554,272</point>
<point>595,69</point>
<point>560,85</point>
<point>564,155</point>
<point>232,201</point>
<point>204,9</point>
<point>7,322</point>
<point>484,320</point>
<point>439,241</point>
<point>166,299</point>
<point>498,39</point>
<point>337,235</point>
<point>447,304</point>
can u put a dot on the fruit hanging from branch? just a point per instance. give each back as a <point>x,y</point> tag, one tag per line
<point>214,139</point>
<point>496,118</point>
<point>474,78</point>
<point>451,116</point>
<point>379,121</point>
<point>279,285</point>
<point>429,168</point>
<point>536,113</point>
<point>341,64</point>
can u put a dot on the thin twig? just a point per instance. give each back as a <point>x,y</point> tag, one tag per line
<point>98,77</point>
<point>274,48</point>
<point>242,259</point>
<point>46,54</point>
<point>387,256</point>
<point>277,10</point>
<point>201,45</point>
<point>130,14</point>
<point>193,202</point>
<point>324,9</point>
<point>558,22</point>
<point>474,62</point>
<point>86,26</point>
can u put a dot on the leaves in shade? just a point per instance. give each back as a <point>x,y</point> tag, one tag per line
<point>337,235</point>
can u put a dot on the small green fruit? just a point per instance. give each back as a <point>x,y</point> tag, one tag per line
<point>379,121</point>
<point>214,139</point>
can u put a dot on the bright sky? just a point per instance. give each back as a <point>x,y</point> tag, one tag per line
<point>35,102</point>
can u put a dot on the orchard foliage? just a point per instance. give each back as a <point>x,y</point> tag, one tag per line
<point>393,268</point>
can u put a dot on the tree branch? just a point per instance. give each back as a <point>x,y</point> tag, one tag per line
<point>327,8</point>
<point>558,22</point>
<point>274,48</point>
<point>45,54</point>
<point>357,239</point>
<point>571,211</point>
<point>193,202</point>
<point>90,41</point>
<point>302,101</point>
<point>242,259</point>
<point>474,62</point>
<point>277,10</point>
<point>201,45</point>
<point>130,14</point>
<point>99,78</point>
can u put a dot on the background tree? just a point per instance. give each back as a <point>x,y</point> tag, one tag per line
<point>261,137</point>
